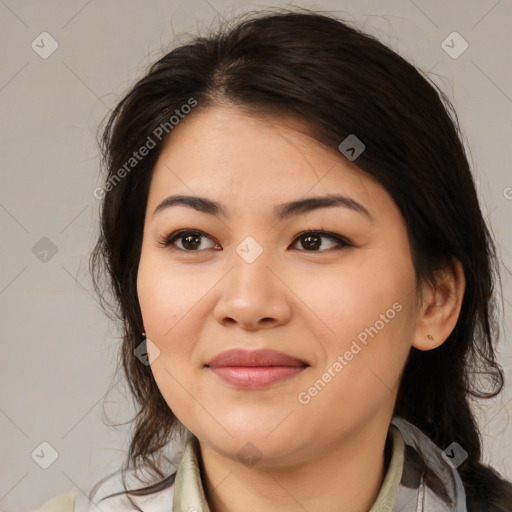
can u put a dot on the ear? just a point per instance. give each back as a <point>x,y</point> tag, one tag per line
<point>441,307</point>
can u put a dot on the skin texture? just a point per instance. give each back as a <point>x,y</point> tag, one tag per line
<point>312,304</point>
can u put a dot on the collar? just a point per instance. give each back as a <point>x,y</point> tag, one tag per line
<point>430,481</point>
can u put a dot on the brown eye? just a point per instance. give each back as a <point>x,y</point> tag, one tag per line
<point>311,241</point>
<point>190,240</point>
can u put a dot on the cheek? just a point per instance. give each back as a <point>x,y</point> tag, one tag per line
<point>161,314</point>
<point>360,377</point>
<point>368,314</point>
<point>176,387</point>
<point>349,299</point>
<point>168,300</point>
<point>166,296</point>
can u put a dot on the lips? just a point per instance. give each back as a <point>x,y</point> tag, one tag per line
<point>254,358</point>
<point>255,368</point>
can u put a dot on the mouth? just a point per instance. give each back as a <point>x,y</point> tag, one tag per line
<point>255,368</point>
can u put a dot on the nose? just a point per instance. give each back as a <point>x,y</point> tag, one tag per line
<point>253,296</point>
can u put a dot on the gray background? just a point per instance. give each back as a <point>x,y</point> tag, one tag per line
<point>58,349</point>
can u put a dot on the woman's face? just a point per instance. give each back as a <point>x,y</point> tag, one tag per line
<point>254,278</point>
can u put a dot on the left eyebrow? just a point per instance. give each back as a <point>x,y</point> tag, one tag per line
<point>280,212</point>
<point>301,206</point>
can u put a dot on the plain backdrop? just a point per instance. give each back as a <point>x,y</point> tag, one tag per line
<point>58,350</point>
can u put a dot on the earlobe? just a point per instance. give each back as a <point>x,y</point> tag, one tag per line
<point>441,308</point>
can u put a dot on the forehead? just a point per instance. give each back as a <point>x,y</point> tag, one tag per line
<point>250,161</point>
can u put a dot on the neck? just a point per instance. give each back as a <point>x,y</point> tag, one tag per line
<point>346,476</point>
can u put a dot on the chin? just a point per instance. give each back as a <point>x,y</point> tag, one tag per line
<point>259,442</point>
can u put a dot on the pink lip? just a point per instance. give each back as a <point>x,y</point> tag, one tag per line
<point>255,368</point>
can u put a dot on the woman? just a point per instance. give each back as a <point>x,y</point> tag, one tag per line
<point>292,233</point>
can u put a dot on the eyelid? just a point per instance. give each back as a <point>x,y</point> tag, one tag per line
<point>341,241</point>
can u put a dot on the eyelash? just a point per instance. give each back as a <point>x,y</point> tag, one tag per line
<point>168,241</point>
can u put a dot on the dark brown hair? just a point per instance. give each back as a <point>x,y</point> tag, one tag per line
<point>341,82</point>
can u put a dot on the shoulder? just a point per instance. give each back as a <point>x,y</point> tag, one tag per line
<point>62,503</point>
<point>109,495</point>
